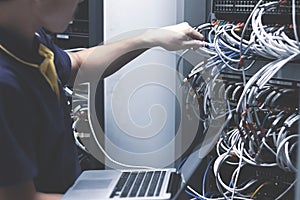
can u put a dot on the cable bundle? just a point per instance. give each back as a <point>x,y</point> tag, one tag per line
<point>261,129</point>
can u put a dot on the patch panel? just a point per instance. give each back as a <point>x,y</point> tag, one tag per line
<point>239,10</point>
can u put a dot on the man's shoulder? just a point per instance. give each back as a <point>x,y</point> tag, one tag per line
<point>8,76</point>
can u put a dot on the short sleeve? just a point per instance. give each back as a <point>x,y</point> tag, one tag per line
<point>61,58</point>
<point>18,159</point>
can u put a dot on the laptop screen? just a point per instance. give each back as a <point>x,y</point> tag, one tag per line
<point>199,153</point>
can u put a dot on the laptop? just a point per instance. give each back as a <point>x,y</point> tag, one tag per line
<point>127,184</point>
<point>133,184</point>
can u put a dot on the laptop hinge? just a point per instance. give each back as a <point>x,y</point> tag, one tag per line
<point>174,183</point>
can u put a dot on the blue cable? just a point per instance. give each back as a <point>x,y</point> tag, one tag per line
<point>265,119</point>
<point>193,195</point>
<point>205,176</point>
<point>180,164</point>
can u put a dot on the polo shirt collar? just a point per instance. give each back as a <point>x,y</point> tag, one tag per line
<point>22,48</point>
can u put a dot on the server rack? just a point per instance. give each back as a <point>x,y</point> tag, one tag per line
<point>86,29</point>
<point>273,179</point>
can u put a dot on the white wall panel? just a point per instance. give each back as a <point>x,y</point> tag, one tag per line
<point>139,99</point>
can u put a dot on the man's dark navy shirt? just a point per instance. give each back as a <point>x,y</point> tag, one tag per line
<point>36,141</point>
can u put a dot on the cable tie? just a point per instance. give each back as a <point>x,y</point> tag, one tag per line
<point>233,154</point>
<point>242,59</point>
<point>245,111</point>
<point>240,25</point>
<point>282,1</point>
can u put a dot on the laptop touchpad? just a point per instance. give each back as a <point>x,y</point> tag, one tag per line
<point>92,184</point>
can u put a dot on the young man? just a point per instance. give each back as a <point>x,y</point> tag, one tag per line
<point>39,159</point>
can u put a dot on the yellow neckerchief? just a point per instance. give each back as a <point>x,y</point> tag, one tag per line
<point>47,68</point>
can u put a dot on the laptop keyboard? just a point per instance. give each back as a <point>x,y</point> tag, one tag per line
<point>139,184</point>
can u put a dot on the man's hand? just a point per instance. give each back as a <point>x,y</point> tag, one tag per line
<point>175,37</point>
